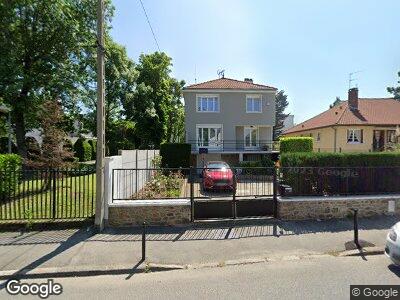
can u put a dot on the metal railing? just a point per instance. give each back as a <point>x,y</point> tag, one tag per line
<point>235,145</point>
<point>32,194</point>
<point>333,181</point>
<point>181,183</point>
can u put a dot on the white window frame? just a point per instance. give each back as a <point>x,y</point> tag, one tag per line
<point>257,137</point>
<point>353,136</point>
<point>252,97</point>
<point>219,143</point>
<point>200,96</point>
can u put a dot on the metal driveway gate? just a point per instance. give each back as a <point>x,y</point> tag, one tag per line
<point>254,196</point>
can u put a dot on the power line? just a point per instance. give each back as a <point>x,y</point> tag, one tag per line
<point>151,28</point>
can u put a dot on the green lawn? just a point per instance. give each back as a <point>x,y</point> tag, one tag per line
<point>74,198</point>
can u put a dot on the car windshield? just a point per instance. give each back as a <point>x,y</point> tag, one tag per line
<point>217,165</point>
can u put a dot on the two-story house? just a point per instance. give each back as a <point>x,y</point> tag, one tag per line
<point>229,120</point>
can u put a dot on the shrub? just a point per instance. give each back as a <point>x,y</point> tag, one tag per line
<point>314,159</point>
<point>83,150</point>
<point>9,178</point>
<point>261,167</point>
<point>175,155</point>
<point>296,144</point>
<point>93,145</point>
<point>341,173</point>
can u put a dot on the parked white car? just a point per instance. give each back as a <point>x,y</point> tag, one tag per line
<point>392,249</point>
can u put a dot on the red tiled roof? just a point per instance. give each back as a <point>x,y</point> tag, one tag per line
<point>371,111</point>
<point>229,84</point>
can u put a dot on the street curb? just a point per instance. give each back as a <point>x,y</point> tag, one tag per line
<point>85,271</point>
<point>363,252</point>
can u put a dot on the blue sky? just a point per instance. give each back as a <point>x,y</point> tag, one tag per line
<point>306,48</point>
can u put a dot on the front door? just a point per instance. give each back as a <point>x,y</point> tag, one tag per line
<point>379,140</point>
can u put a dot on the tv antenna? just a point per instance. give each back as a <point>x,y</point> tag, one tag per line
<point>351,79</point>
<point>221,73</point>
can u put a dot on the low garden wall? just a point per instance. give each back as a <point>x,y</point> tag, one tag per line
<point>153,212</point>
<point>304,208</point>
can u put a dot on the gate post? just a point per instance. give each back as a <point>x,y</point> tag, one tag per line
<point>191,180</point>
<point>275,196</point>
<point>234,213</point>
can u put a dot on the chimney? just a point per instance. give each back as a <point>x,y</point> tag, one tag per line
<point>250,80</point>
<point>353,98</point>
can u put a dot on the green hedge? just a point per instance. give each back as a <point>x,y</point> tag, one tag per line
<point>316,159</point>
<point>93,145</point>
<point>9,178</point>
<point>341,173</point>
<point>175,155</point>
<point>296,144</point>
<point>83,150</point>
<point>265,165</point>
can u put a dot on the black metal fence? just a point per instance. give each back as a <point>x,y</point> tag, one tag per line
<point>166,183</point>
<point>32,194</point>
<point>332,181</point>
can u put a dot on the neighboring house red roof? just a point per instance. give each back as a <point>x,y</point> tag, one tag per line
<point>229,84</point>
<point>371,111</point>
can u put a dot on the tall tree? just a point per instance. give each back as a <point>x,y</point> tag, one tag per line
<point>395,90</point>
<point>120,86</point>
<point>280,105</point>
<point>43,46</point>
<point>156,106</point>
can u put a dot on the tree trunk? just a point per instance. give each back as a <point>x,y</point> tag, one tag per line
<point>20,132</point>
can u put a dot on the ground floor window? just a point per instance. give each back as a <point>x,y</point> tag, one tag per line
<point>209,136</point>
<point>354,136</point>
<point>250,137</point>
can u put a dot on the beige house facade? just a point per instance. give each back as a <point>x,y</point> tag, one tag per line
<point>356,125</point>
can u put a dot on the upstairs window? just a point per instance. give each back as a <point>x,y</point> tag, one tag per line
<point>207,103</point>
<point>354,136</point>
<point>253,104</point>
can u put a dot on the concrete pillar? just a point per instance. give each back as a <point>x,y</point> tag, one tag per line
<point>240,157</point>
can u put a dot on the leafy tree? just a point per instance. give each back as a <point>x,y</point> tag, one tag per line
<point>120,84</point>
<point>395,90</point>
<point>156,107</point>
<point>44,45</point>
<point>53,154</point>
<point>280,105</point>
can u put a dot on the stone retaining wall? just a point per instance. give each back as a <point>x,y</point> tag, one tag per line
<point>303,208</point>
<point>160,212</point>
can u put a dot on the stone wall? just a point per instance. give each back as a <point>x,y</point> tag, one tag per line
<point>302,208</point>
<point>171,212</point>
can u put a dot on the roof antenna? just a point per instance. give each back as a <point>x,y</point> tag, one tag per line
<point>221,73</point>
<point>351,79</point>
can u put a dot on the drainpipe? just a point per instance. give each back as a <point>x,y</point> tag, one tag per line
<point>334,139</point>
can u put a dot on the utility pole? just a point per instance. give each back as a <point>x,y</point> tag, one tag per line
<point>99,216</point>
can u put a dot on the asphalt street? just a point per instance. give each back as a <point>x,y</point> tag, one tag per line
<point>324,277</point>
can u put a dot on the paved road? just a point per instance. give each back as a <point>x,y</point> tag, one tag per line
<point>309,278</point>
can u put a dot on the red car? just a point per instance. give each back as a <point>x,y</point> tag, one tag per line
<point>217,175</point>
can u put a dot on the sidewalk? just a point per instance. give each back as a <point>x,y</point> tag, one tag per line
<point>197,244</point>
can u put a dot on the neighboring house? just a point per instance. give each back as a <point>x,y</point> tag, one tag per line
<point>356,125</point>
<point>288,122</point>
<point>231,120</point>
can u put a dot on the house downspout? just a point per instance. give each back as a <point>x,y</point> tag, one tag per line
<point>334,139</point>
